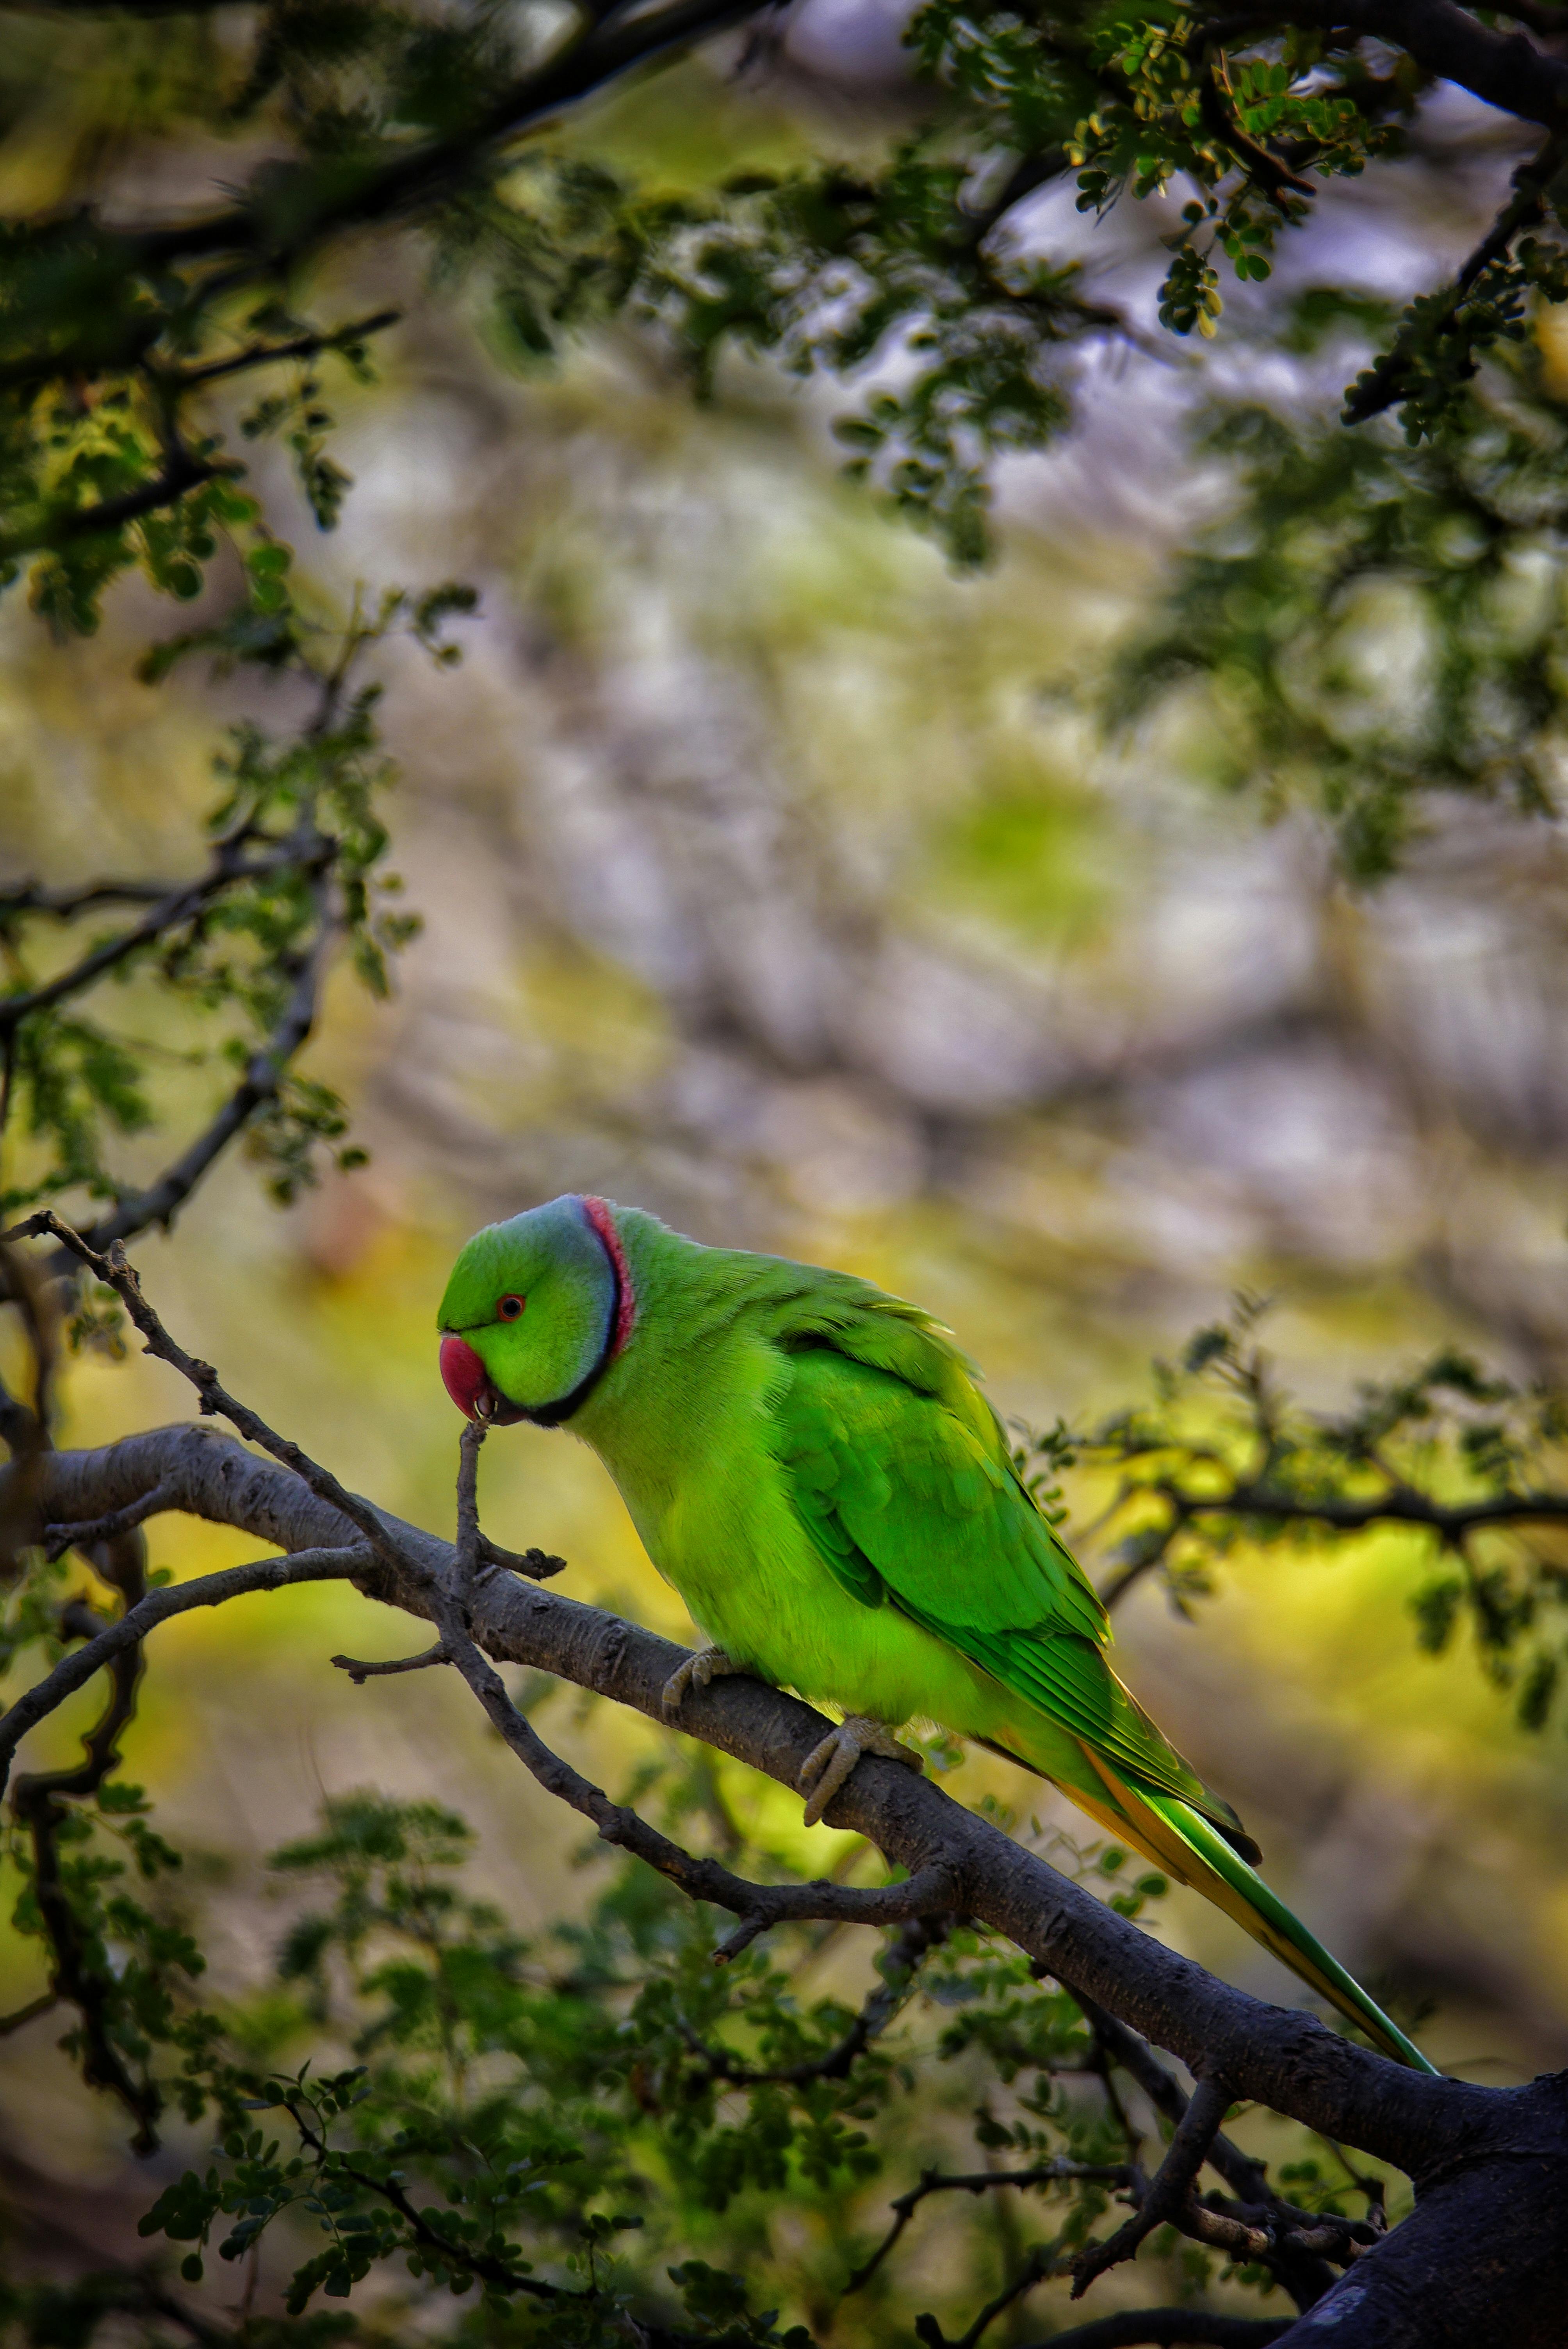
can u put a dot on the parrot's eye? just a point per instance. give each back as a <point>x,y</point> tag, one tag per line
<point>509,1308</point>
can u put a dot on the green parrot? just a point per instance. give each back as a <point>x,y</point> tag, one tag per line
<point>810,1464</point>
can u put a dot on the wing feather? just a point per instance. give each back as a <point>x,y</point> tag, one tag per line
<point>914,1504</point>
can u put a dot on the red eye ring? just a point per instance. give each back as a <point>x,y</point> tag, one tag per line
<point>509,1308</point>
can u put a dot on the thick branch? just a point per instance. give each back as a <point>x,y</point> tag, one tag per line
<point>1506,69</point>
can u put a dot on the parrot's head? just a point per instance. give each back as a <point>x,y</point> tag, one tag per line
<point>534,1311</point>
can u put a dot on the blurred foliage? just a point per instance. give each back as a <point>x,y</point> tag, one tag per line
<point>1381,619</point>
<point>295,866</point>
<point>128,334</point>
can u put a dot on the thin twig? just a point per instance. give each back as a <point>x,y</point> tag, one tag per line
<point>533,1565</point>
<point>1169,2190</point>
<point>171,902</point>
<point>359,1673</point>
<point>158,1606</point>
<point>214,1400</point>
<point>263,1077</point>
<point>480,2264</point>
<point>898,1967</point>
<point>1400,1505</point>
<point>1271,2224</point>
<point>1041,2263</point>
<point>45,1999</point>
<point>1386,380</point>
<point>304,346</point>
<point>64,905</point>
<point>465,1564</point>
<point>759,1907</point>
<point>58,1540</point>
<point>1217,100</point>
<point>39,1801</point>
<point>170,914</point>
<point>981,2181</point>
<point>604,50</point>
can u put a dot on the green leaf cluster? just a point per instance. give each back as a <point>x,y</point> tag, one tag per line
<point>568,2133</point>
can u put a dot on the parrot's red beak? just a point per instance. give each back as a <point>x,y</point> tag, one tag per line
<point>464,1376</point>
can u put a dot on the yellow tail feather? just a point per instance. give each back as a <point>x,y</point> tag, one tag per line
<point>1189,1848</point>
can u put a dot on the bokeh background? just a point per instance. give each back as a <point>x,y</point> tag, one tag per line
<point>777,880</point>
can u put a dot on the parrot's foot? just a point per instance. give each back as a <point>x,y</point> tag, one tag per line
<point>707,1664</point>
<point>827,1766</point>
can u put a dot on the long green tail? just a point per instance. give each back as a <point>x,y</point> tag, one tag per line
<point>1179,1839</point>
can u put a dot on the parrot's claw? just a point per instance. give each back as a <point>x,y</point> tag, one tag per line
<point>707,1664</point>
<point>827,1766</point>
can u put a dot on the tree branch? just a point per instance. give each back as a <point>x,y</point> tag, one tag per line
<point>1506,69</point>
<point>1383,384</point>
<point>1469,2148</point>
<point>1401,1504</point>
<point>302,346</point>
<point>113,1270</point>
<point>628,36</point>
<point>159,1606</point>
<point>480,2264</point>
<point>1169,2191</point>
<point>62,527</point>
<point>980,2181</point>
<point>64,905</point>
<point>229,869</point>
<point>38,1804</point>
<point>898,1967</point>
<point>929,1890</point>
<point>161,1201</point>
<point>1305,2275</point>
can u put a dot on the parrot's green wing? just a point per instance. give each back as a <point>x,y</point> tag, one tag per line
<point>913,1503</point>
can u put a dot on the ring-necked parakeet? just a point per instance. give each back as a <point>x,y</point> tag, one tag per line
<point>811,1465</point>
